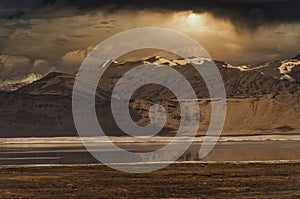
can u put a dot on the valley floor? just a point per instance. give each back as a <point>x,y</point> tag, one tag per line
<point>179,180</point>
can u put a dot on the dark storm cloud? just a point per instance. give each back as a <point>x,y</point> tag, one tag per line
<point>242,13</point>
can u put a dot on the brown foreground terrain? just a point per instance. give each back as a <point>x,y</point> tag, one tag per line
<point>175,181</point>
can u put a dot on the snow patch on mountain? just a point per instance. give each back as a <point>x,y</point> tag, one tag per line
<point>247,68</point>
<point>157,60</point>
<point>12,84</point>
<point>241,68</point>
<point>286,68</point>
<point>287,77</point>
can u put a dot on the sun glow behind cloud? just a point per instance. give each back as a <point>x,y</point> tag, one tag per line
<point>193,18</point>
<point>192,21</point>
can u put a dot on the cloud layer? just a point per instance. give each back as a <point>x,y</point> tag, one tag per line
<point>36,35</point>
<point>15,66</point>
<point>242,13</point>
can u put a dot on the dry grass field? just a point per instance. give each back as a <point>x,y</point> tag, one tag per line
<point>175,181</point>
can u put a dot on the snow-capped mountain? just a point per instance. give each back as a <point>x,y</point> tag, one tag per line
<point>264,76</point>
<point>12,84</point>
<point>283,70</point>
<point>239,81</point>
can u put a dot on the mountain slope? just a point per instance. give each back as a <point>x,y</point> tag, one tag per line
<point>53,84</point>
<point>25,115</point>
<point>258,102</point>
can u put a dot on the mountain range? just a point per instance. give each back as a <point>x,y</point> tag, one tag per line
<point>262,99</point>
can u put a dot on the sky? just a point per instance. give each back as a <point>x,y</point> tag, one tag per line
<point>56,35</point>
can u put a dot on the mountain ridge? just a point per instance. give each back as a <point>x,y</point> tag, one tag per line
<point>258,102</point>
<point>238,81</point>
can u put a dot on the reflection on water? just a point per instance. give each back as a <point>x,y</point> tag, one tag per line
<point>75,153</point>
